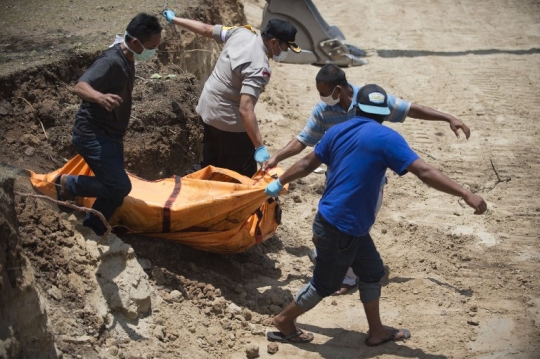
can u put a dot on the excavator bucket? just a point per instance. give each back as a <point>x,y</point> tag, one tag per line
<point>321,43</point>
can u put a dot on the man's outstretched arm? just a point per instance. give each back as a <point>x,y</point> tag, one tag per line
<point>195,26</point>
<point>426,113</point>
<point>301,168</point>
<point>438,180</point>
<point>294,147</point>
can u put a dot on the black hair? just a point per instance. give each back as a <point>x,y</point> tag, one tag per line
<point>331,75</point>
<point>378,118</point>
<point>143,27</point>
<point>268,36</point>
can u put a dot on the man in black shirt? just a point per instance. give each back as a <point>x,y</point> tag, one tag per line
<point>101,122</point>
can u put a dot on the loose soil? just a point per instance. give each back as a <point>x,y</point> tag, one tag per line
<point>466,286</point>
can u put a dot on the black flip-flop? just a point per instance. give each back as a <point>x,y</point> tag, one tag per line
<point>59,197</point>
<point>280,337</point>
<point>391,338</point>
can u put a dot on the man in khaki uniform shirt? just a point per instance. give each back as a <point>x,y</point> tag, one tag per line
<point>231,134</point>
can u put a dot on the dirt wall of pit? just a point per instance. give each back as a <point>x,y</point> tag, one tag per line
<point>24,332</point>
<point>37,109</point>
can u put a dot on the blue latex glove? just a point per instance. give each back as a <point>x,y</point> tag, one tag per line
<point>169,15</point>
<point>261,154</point>
<point>273,188</point>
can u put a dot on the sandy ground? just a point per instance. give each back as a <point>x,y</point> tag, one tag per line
<point>465,286</point>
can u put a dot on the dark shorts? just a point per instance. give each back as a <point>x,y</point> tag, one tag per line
<point>336,252</point>
<point>230,150</point>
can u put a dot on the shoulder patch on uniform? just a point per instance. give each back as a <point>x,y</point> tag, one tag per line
<point>249,27</point>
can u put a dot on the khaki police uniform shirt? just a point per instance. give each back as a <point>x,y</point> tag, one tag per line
<point>242,68</point>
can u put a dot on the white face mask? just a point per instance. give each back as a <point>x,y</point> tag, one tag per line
<point>329,100</point>
<point>146,54</point>
<point>282,55</point>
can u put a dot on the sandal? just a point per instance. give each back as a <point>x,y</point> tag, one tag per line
<point>345,288</point>
<point>280,337</point>
<point>391,338</point>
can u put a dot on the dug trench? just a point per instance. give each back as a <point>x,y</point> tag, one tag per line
<point>134,296</point>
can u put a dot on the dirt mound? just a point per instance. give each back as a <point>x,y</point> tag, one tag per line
<point>39,107</point>
<point>24,331</point>
<point>37,102</point>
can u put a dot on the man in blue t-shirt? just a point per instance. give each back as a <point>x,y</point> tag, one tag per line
<point>337,105</point>
<point>102,119</point>
<point>357,153</point>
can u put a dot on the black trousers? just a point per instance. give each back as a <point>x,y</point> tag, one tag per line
<point>230,150</point>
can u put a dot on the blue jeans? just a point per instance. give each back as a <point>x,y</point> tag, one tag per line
<point>336,252</point>
<point>110,183</point>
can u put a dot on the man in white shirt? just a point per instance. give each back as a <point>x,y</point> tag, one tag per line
<point>227,104</point>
